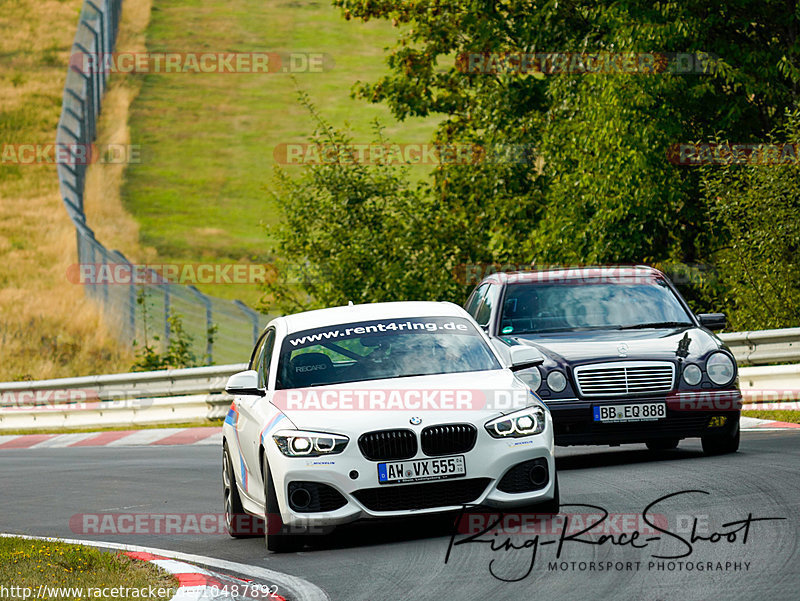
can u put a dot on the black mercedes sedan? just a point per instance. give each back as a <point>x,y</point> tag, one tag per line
<point>624,359</point>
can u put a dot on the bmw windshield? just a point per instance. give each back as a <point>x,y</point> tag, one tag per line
<point>387,348</point>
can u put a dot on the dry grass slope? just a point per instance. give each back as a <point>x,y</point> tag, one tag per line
<point>105,213</point>
<point>47,327</point>
<point>202,189</point>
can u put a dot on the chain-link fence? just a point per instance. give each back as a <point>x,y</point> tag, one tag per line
<point>135,311</point>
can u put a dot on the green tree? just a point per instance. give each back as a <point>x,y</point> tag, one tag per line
<point>178,353</point>
<point>758,211</point>
<point>608,193</point>
<point>596,185</point>
<point>356,232</point>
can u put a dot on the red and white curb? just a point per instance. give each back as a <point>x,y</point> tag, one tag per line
<point>196,584</point>
<point>201,581</point>
<point>211,435</point>
<point>755,424</point>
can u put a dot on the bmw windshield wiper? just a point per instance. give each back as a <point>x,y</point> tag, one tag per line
<point>427,373</point>
<point>657,324</point>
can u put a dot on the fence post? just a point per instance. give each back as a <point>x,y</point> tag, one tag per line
<point>209,323</point>
<point>91,111</point>
<point>105,288</point>
<point>131,321</point>
<point>253,315</point>
<point>101,43</point>
<point>82,99</point>
<point>165,288</point>
<point>98,78</point>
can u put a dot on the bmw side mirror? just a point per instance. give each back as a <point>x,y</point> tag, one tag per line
<point>713,321</point>
<point>523,357</point>
<point>245,382</point>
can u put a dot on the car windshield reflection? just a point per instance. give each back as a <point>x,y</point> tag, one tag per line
<point>570,307</point>
<point>375,350</point>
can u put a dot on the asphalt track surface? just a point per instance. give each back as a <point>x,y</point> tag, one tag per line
<point>42,489</point>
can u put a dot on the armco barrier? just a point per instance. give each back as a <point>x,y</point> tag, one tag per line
<point>117,400</point>
<point>182,395</point>
<point>112,387</point>
<point>130,309</point>
<point>763,347</point>
<point>770,383</point>
<point>118,414</point>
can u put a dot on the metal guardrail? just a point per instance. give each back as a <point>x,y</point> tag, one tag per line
<point>131,309</point>
<point>117,414</point>
<point>181,395</point>
<point>114,387</point>
<point>762,347</point>
<point>117,400</point>
<point>770,383</point>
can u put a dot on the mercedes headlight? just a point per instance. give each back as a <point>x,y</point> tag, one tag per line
<point>720,369</point>
<point>296,443</point>
<point>692,375</point>
<point>556,381</point>
<point>526,422</point>
<point>531,377</point>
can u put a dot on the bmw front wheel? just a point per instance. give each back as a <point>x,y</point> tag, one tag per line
<point>238,523</point>
<point>276,535</point>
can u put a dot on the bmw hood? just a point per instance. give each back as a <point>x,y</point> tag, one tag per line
<point>406,402</point>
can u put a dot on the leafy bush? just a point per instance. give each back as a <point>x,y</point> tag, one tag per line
<point>178,352</point>
<point>757,211</point>
<point>361,233</point>
<point>601,189</point>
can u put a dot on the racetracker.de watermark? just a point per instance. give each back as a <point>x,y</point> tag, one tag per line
<point>132,274</point>
<point>771,399</point>
<point>679,273</point>
<point>705,400</point>
<point>170,524</point>
<point>72,400</point>
<point>751,154</point>
<point>592,524</point>
<point>399,399</point>
<point>70,154</point>
<point>403,154</point>
<point>582,63</point>
<point>77,593</point>
<point>203,62</point>
<point>35,398</point>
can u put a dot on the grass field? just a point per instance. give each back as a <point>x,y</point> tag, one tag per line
<point>31,564</point>
<point>47,327</point>
<point>792,417</point>
<point>201,192</point>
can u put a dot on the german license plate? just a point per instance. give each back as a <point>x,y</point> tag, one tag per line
<point>640,412</point>
<point>421,469</point>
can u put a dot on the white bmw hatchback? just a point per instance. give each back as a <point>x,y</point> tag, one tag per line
<point>376,411</point>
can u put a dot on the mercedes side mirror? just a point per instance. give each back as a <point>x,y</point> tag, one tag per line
<point>713,321</point>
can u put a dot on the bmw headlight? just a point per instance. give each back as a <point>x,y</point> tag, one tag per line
<point>296,443</point>
<point>526,422</point>
<point>692,374</point>
<point>531,377</point>
<point>556,381</point>
<point>720,368</point>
